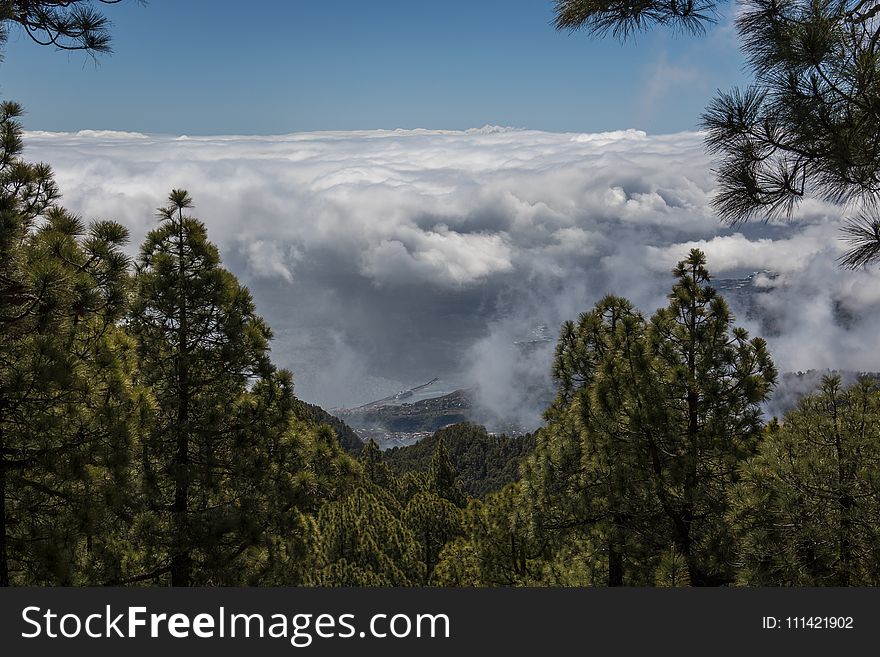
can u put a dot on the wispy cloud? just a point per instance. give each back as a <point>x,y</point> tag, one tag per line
<point>665,79</point>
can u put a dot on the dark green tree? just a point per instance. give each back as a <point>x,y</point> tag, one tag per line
<point>392,529</point>
<point>806,509</point>
<point>363,542</point>
<point>67,406</point>
<point>376,470</point>
<point>221,406</point>
<point>623,18</point>
<point>593,493</point>
<point>629,481</point>
<point>697,399</point>
<point>484,462</point>
<point>808,126</point>
<point>443,478</point>
<point>434,521</point>
<point>306,467</point>
<point>499,547</point>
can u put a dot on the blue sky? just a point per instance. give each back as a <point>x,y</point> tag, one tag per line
<point>210,67</point>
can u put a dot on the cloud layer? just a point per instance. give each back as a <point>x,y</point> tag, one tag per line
<point>385,258</point>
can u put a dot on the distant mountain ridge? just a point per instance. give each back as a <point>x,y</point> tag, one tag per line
<point>424,415</point>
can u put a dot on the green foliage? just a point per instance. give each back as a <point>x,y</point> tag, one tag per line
<point>306,467</point>
<point>657,414</point>
<point>806,509</point>
<point>227,470</point>
<point>808,125</point>
<point>364,543</point>
<point>434,521</point>
<point>484,462</point>
<point>699,402</point>
<point>442,477</point>
<point>417,519</point>
<point>347,437</point>
<point>629,479</point>
<point>376,470</point>
<point>499,547</point>
<point>68,407</point>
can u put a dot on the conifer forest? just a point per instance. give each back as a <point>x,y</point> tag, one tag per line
<point>149,436</point>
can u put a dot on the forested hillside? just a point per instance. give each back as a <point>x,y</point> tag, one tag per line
<point>484,462</point>
<point>347,437</point>
<point>148,437</point>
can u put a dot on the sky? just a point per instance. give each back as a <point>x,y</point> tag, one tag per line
<point>226,67</point>
<point>410,188</point>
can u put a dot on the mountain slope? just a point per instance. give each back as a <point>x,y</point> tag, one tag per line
<point>485,462</point>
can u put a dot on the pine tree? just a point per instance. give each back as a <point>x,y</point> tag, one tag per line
<point>219,401</point>
<point>434,521</point>
<point>67,406</point>
<point>808,124</point>
<point>391,530</point>
<point>363,542</point>
<point>624,18</point>
<point>442,477</point>
<point>499,547</point>
<point>306,468</point>
<point>601,497</point>
<point>629,480</point>
<point>483,462</point>
<point>698,397</point>
<point>806,509</point>
<point>376,471</point>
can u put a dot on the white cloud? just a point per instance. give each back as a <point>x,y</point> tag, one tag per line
<point>413,248</point>
<point>438,256</point>
<point>737,252</point>
<point>268,259</point>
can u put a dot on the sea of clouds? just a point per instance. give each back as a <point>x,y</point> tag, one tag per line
<point>385,258</point>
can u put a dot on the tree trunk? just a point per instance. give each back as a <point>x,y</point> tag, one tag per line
<point>4,555</point>
<point>181,562</point>
<point>696,574</point>
<point>845,502</point>
<point>181,559</point>
<point>615,561</point>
